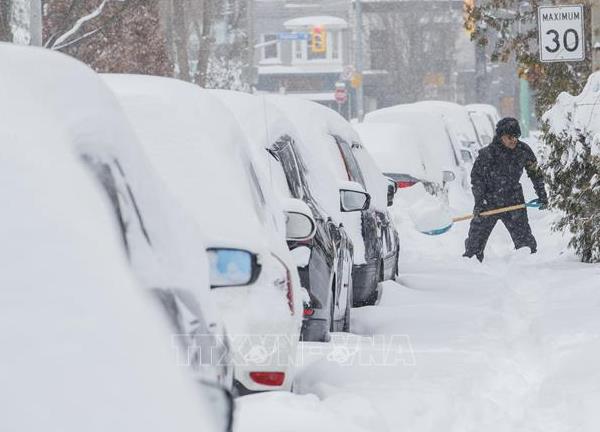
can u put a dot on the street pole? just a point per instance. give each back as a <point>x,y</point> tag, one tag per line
<point>524,108</point>
<point>595,11</point>
<point>360,95</point>
<point>35,22</point>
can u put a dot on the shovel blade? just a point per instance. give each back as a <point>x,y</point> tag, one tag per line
<point>431,218</point>
<point>438,231</point>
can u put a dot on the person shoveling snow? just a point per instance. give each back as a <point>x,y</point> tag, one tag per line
<point>495,183</point>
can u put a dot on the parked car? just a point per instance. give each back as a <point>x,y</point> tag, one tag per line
<point>157,235</point>
<point>199,151</point>
<point>328,137</point>
<point>324,261</point>
<point>84,348</point>
<point>382,197</point>
<point>460,118</point>
<point>438,134</point>
<point>490,112</point>
<point>483,127</point>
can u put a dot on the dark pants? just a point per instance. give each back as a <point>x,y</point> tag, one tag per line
<point>517,224</point>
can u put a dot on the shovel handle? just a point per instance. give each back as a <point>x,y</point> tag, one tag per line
<point>491,212</point>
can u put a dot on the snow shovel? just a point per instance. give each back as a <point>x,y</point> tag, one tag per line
<point>446,227</point>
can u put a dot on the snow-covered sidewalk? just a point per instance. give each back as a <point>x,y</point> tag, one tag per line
<point>508,345</point>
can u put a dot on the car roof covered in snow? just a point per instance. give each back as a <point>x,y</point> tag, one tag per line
<point>441,146</point>
<point>198,151</point>
<point>262,122</point>
<point>314,132</point>
<point>458,114</point>
<point>83,346</point>
<point>396,148</point>
<point>81,103</point>
<point>489,110</point>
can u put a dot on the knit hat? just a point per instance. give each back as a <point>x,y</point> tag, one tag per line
<point>508,126</point>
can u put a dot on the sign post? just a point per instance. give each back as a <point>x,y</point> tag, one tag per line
<point>561,33</point>
<point>341,94</point>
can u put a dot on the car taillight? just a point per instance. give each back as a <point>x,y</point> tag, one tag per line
<point>405,184</point>
<point>285,282</point>
<point>268,378</point>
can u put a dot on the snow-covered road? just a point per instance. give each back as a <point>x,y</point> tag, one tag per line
<point>508,345</point>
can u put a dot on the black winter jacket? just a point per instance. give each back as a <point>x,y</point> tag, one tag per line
<point>496,174</point>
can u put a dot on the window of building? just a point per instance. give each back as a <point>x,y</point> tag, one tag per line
<point>270,52</point>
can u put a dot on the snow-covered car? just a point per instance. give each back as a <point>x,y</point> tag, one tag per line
<point>326,136</point>
<point>324,260</point>
<point>442,144</point>
<point>458,115</point>
<point>382,196</point>
<point>484,128</point>
<point>199,151</point>
<point>84,347</point>
<point>490,112</point>
<point>158,236</point>
<point>404,156</point>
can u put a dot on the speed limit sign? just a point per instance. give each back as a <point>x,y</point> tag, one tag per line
<point>561,35</point>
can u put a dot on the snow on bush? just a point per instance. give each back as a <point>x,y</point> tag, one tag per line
<point>571,160</point>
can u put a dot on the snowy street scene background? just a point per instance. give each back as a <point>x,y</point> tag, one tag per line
<point>290,215</point>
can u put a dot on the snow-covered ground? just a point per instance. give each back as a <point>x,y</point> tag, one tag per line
<point>508,345</point>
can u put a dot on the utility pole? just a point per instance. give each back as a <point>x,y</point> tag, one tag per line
<point>251,73</point>
<point>360,94</point>
<point>595,11</point>
<point>35,22</point>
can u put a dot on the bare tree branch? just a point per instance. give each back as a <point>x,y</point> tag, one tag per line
<point>80,22</point>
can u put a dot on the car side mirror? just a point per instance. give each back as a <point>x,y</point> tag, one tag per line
<point>448,176</point>
<point>353,197</point>
<point>232,267</point>
<point>221,401</point>
<point>351,201</point>
<point>299,222</point>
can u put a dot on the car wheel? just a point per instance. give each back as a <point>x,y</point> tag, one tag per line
<point>371,300</point>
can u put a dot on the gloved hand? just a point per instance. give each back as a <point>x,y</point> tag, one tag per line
<point>477,211</point>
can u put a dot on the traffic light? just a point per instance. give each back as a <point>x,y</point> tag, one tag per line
<point>318,40</point>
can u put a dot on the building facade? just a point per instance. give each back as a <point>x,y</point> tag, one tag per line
<point>413,50</point>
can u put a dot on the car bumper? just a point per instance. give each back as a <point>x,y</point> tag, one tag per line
<point>263,336</point>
